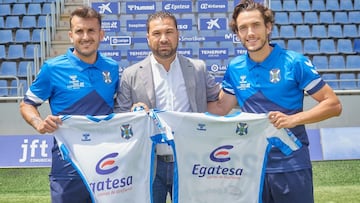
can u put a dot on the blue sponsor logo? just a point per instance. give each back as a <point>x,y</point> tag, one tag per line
<point>137,55</point>
<point>213,53</point>
<point>213,23</point>
<point>177,6</point>
<point>110,25</point>
<point>140,7</point>
<point>221,154</point>
<point>135,25</point>
<point>206,6</point>
<point>240,51</point>
<point>120,40</point>
<point>106,164</point>
<point>106,7</point>
<point>185,51</point>
<point>114,54</point>
<point>184,24</point>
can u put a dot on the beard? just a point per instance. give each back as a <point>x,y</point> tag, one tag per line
<point>256,48</point>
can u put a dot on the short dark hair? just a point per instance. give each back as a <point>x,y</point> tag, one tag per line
<point>85,12</point>
<point>250,5</point>
<point>161,15</point>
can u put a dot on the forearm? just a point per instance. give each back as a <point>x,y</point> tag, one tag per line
<point>30,114</point>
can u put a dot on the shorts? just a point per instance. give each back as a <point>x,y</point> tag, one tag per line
<point>293,186</point>
<point>69,191</point>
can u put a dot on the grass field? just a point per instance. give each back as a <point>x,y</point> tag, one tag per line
<point>334,182</point>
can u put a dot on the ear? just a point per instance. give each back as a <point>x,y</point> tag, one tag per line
<point>70,36</point>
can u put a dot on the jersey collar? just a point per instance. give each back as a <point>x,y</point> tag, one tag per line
<point>269,61</point>
<point>79,64</point>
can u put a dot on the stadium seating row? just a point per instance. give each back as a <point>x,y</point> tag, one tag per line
<point>312,17</point>
<point>315,5</point>
<point>21,9</point>
<point>29,22</point>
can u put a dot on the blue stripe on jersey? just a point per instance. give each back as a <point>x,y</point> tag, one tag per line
<point>75,87</point>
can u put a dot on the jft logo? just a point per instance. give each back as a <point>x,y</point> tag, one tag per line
<point>33,148</point>
<point>106,164</point>
<point>221,154</point>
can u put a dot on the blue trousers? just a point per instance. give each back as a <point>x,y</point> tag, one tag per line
<point>163,181</point>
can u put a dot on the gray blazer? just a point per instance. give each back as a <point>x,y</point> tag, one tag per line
<point>137,85</point>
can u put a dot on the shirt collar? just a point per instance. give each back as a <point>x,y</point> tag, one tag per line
<point>79,64</point>
<point>268,62</point>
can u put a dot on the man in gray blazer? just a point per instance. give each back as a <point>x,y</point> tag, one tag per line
<point>165,80</point>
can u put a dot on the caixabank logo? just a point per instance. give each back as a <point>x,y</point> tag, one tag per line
<point>219,156</point>
<point>111,183</point>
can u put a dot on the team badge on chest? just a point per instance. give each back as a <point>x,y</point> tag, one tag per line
<point>107,77</point>
<point>275,75</point>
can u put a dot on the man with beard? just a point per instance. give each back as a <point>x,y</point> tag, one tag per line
<point>165,80</point>
<point>80,82</point>
<point>269,79</point>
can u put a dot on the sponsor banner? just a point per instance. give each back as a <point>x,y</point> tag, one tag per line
<point>25,151</point>
<point>114,54</point>
<point>107,8</point>
<point>136,25</point>
<point>213,23</point>
<point>240,51</point>
<point>216,68</point>
<point>177,6</point>
<point>186,52</point>
<point>206,6</point>
<point>120,40</point>
<point>140,7</point>
<point>184,24</point>
<point>110,25</point>
<point>139,39</point>
<point>137,55</point>
<point>213,53</point>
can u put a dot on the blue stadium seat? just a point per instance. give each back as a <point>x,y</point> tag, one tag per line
<point>332,5</point>
<point>6,36</point>
<point>347,81</point>
<point>22,68</point>
<point>34,9</point>
<point>24,1</point>
<point>5,9</point>
<point>318,5</point>
<point>280,42</point>
<point>16,51</point>
<point>320,62</point>
<point>311,46</point>
<point>357,46</point>
<point>30,51</point>
<point>46,8</point>
<point>36,35</point>
<point>2,51</point>
<point>303,31</point>
<point>336,62</point>
<point>335,31</point>
<point>346,5</point>
<point>295,45</point>
<point>12,22</point>
<point>276,5</point>
<point>275,32</point>
<point>295,17</point>
<point>326,17</point>
<point>22,36</point>
<point>356,4</point>
<point>345,46</point>
<point>350,30</point>
<point>281,18</point>
<point>8,68</point>
<point>41,22</point>
<point>3,88</point>
<point>352,62</point>
<point>303,5</point>
<point>319,31</point>
<point>19,9</point>
<point>354,16</point>
<point>327,46</point>
<point>29,22</point>
<point>289,5</point>
<point>341,17</point>
<point>2,22</point>
<point>331,80</point>
<point>14,88</point>
<point>287,31</point>
<point>311,18</point>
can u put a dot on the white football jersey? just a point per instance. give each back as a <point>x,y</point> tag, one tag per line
<point>222,159</point>
<point>113,154</point>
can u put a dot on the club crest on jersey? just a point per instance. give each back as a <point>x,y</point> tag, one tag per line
<point>85,137</point>
<point>275,75</point>
<point>106,76</point>
<point>241,129</point>
<point>126,131</point>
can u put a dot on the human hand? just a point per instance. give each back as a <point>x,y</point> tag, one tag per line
<point>281,120</point>
<point>48,125</point>
<point>138,106</point>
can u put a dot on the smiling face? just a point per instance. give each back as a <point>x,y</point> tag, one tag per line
<point>163,38</point>
<point>252,31</point>
<point>85,35</point>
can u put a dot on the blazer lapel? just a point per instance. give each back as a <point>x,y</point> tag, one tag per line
<point>147,79</point>
<point>189,78</point>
